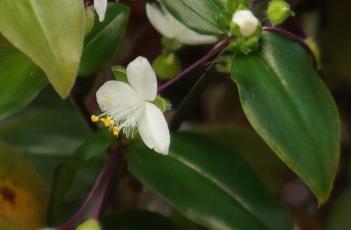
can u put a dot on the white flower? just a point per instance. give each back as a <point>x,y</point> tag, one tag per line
<point>246,21</point>
<point>169,27</point>
<point>100,7</point>
<point>128,106</point>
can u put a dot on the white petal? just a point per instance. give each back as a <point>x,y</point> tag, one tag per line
<point>142,78</point>
<point>160,20</point>
<point>247,22</point>
<point>100,7</point>
<point>153,129</point>
<point>190,37</point>
<point>117,96</point>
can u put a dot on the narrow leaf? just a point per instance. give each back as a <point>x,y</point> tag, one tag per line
<point>102,42</point>
<point>291,109</point>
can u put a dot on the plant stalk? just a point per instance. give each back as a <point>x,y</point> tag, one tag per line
<point>213,52</point>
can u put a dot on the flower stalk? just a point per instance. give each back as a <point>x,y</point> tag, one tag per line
<point>217,49</point>
<point>97,194</point>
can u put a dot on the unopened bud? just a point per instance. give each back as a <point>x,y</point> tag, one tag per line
<point>166,66</point>
<point>244,23</point>
<point>278,11</point>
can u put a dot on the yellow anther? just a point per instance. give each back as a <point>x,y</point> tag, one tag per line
<point>94,118</point>
<point>107,121</point>
<point>115,131</point>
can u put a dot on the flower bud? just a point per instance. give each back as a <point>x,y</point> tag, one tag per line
<point>166,66</point>
<point>90,224</point>
<point>244,23</point>
<point>278,11</point>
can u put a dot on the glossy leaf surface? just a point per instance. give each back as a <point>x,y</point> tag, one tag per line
<point>20,80</point>
<point>209,184</point>
<point>291,109</point>
<point>51,33</point>
<point>205,16</point>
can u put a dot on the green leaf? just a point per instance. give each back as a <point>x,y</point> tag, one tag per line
<point>136,220</point>
<point>23,197</point>
<point>339,217</point>
<point>102,42</point>
<point>291,109</point>
<point>253,149</point>
<point>46,137</point>
<point>20,81</point>
<point>209,184</point>
<point>51,33</point>
<point>205,16</point>
<point>75,177</point>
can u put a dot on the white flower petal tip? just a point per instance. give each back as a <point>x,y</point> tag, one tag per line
<point>142,78</point>
<point>153,129</point>
<point>246,21</point>
<point>126,107</point>
<point>100,7</point>
<point>171,28</point>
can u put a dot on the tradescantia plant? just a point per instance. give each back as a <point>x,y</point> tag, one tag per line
<point>204,179</point>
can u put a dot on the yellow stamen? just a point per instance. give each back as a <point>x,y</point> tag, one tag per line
<point>107,121</point>
<point>94,118</point>
<point>115,131</point>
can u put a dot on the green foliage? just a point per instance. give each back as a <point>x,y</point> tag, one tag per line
<point>74,178</point>
<point>102,42</point>
<point>51,33</point>
<point>197,169</point>
<point>20,80</point>
<point>291,109</point>
<point>205,17</point>
<point>215,177</point>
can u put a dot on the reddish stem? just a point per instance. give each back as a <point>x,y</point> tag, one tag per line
<point>213,52</point>
<point>97,193</point>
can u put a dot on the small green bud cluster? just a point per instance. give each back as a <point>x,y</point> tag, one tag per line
<point>278,11</point>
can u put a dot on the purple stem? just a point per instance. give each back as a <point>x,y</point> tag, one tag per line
<point>213,52</point>
<point>292,37</point>
<point>99,189</point>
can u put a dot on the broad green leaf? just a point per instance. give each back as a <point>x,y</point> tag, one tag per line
<point>291,109</point>
<point>253,149</point>
<point>51,33</point>
<point>46,137</point>
<point>205,16</point>
<point>23,197</point>
<point>20,80</point>
<point>209,184</point>
<point>339,215</point>
<point>136,220</point>
<point>102,42</point>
